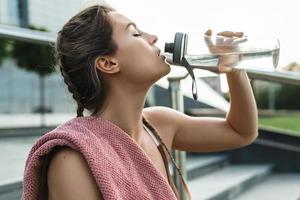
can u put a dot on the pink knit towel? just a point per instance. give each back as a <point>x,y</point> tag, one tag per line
<point>120,167</point>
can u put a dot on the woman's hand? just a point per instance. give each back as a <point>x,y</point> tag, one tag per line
<point>226,42</point>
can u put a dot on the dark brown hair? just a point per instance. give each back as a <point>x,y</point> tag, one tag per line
<point>82,39</point>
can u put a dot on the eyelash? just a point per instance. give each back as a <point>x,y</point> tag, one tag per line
<point>137,35</point>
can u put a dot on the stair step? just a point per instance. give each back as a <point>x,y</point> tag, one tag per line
<point>276,187</point>
<point>199,165</point>
<point>14,152</point>
<point>228,182</point>
<point>11,190</point>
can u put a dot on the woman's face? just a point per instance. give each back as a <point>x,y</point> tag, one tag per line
<point>139,59</point>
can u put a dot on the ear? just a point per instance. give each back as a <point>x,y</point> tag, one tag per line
<point>107,64</point>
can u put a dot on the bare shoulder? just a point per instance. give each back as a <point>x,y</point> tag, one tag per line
<point>165,114</point>
<point>166,120</point>
<point>69,177</point>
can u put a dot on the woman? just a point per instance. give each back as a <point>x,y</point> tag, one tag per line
<point>109,64</point>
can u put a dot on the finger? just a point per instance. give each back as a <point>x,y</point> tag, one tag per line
<point>208,32</point>
<point>238,34</point>
<point>228,42</point>
<point>239,40</point>
<point>226,34</point>
<point>219,40</point>
<point>208,41</point>
<point>207,38</point>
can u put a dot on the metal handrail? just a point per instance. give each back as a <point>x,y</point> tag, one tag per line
<point>34,36</point>
<point>28,35</point>
<point>179,156</point>
<point>285,77</point>
<point>292,78</point>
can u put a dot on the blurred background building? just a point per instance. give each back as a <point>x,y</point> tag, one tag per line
<point>50,14</point>
<point>19,88</point>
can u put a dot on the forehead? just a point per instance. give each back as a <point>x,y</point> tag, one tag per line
<point>118,20</point>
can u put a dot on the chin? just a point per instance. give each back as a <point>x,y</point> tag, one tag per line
<point>166,70</point>
<point>161,70</point>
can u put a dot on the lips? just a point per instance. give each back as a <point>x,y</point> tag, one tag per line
<point>158,52</point>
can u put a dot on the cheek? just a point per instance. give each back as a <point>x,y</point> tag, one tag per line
<point>140,64</point>
<point>136,55</point>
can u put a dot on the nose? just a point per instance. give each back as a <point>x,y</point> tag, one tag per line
<point>153,39</point>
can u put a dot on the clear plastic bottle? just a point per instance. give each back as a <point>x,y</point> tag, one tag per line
<point>198,52</point>
<point>213,53</point>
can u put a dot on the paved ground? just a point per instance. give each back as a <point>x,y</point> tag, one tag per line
<point>13,154</point>
<point>14,151</point>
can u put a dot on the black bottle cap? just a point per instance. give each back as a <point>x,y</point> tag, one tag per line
<point>169,47</point>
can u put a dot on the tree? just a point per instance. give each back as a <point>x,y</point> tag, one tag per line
<point>288,97</point>
<point>37,58</point>
<point>4,49</point>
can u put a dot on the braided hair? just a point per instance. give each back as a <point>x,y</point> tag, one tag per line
<point>153,130</point>
<point>82,39</point>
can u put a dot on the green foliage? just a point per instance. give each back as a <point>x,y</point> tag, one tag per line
<point>290,122</point>
<point>261,96</point>
<point>34,57</point>
<point>286,96</point>
<point>4,49</point>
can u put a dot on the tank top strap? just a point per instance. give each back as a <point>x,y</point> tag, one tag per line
<point>157,142</point>
<point>163,153</point>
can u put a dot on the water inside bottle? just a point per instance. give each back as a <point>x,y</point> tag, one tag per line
<point>256,59</point>
<point>259,54</point>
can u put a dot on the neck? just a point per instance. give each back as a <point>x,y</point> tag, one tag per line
<point>125,108</point>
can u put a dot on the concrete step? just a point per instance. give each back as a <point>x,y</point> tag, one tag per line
<point>13,154</point>
<point>228,182</point>
<point>276,187</point>
<point>11,190</point>
<point>199,165</point>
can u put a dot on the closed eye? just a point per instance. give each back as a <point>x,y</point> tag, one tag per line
<point>137,34</point>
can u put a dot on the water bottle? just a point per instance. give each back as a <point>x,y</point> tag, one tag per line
<point>245,53</point>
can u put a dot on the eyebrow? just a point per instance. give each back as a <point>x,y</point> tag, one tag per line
<point>129,24</point>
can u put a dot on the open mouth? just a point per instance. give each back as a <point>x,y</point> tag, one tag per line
<point>162,56</point>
